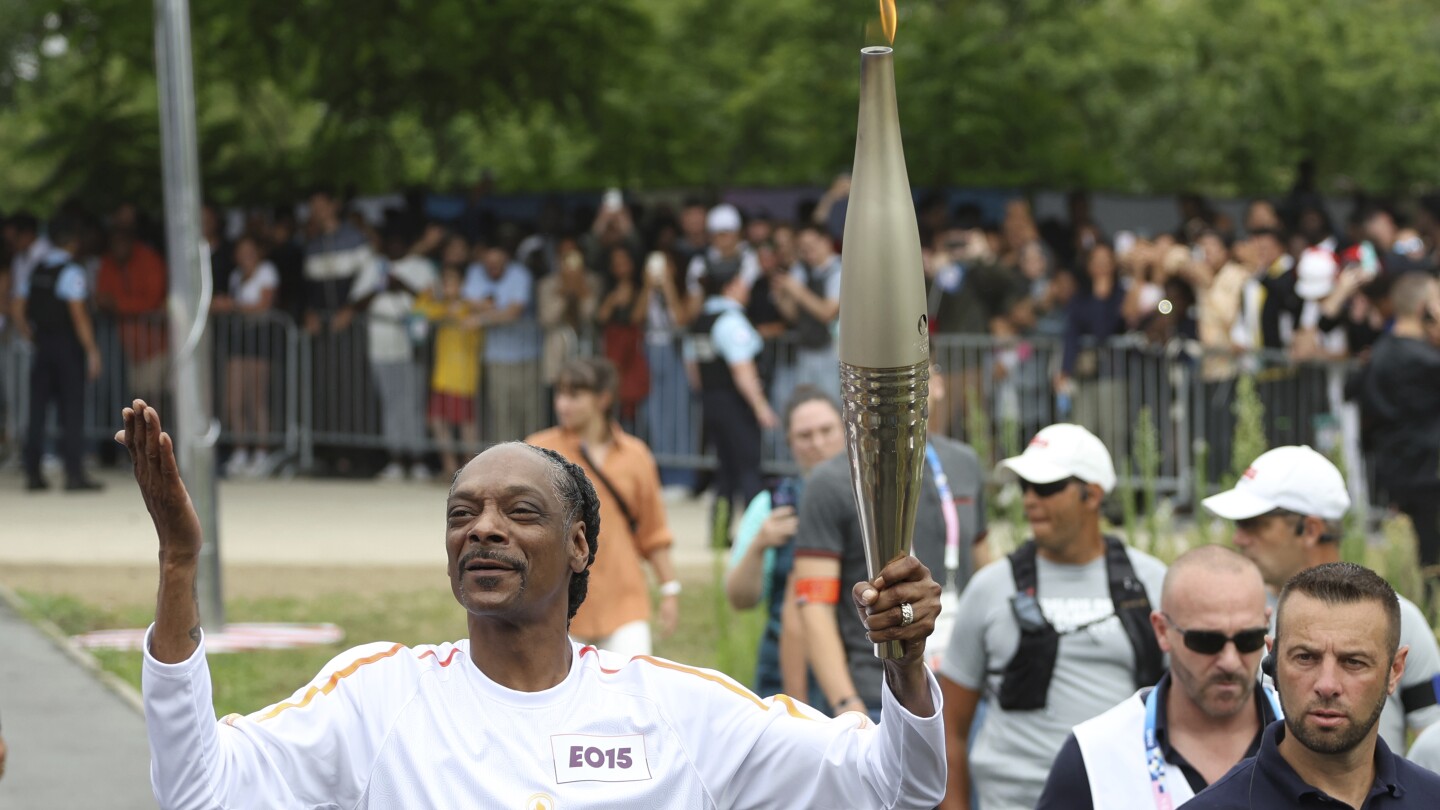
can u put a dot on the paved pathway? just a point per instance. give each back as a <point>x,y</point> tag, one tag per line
<point>73,742</point>
<point>301,522</point>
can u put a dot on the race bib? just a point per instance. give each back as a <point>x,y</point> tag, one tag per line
<point>590,758</point>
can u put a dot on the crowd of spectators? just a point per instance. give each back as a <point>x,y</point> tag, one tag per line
<point>458,324</point>
<point>469,327</point>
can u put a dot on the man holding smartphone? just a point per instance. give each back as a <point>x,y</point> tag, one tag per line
<point>764,552</point>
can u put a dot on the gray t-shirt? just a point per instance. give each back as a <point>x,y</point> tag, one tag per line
<point>830,527</point>
<point>1422,665</point>
<point>1426,750</point>
<point>1094,668</point>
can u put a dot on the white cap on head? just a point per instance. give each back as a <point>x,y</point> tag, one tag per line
<point>1063,451</point>
<point>723,218</point>
<point>1296,479</point>
<point>1315,274</point>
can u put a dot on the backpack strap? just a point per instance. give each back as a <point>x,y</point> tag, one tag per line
<point>1022,567</point>
<point>1132,607</point>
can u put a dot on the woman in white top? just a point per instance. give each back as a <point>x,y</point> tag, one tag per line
<point>250,345</point>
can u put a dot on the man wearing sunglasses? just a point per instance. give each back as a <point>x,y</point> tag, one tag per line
<point>1205,715</point>
<point>1051,636</point>
<point>1287,509</point>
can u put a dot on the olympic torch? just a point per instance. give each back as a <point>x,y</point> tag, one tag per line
<point>884,334</point>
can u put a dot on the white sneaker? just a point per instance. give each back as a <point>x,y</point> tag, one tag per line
<point>392,472</point>
<point>419,472</point>
<point>259,465</point>
<point>238,464</point>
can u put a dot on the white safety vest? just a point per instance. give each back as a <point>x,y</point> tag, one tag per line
<point>1113,746</point>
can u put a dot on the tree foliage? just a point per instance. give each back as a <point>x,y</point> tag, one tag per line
<point>1218,96</point>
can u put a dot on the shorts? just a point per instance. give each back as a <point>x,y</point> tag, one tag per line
<point>454,409</point>
<point>629,639</point>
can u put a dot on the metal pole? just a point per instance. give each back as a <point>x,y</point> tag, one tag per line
<point>190,290</point>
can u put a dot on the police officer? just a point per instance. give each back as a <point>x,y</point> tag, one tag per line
<point>1206,714</point>
<point>50,311</point>
<point>722,349</point>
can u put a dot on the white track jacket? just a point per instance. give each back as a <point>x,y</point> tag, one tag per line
<point>389,726</point>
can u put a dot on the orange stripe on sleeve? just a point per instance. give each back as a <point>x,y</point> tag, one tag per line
<point>784,700</point>
<point>330,685</point>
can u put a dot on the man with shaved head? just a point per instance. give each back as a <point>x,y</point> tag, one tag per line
<point>518,715</point>
<point>1206,714</point>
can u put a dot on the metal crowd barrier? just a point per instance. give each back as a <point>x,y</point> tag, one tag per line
<point>339,400</point>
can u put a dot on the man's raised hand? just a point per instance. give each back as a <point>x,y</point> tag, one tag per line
<point>177,611</point>
<point>153,455</point>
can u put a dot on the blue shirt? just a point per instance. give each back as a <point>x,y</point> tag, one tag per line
<point>734,339</point>
<point>517,341</point>
<point>1267,781</point>
<point>70,285</point>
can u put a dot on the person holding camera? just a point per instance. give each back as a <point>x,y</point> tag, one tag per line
<point>764,552</point>
<point>1051,636</point>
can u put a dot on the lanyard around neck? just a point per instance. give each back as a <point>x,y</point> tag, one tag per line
<point>1155,761</point>
<point>947,510</point>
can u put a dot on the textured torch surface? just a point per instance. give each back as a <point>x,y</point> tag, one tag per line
<point>885,412</point>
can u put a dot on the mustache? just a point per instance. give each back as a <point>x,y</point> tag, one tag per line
<point>491,556</point>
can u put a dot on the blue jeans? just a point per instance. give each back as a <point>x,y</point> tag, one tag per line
<point>667,412</point>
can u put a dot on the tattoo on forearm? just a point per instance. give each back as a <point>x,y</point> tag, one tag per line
<point>195,600</point>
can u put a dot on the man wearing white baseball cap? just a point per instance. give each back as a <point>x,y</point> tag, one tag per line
<point>1051,636</point>
<point>1287,509</point>
<point>726,256</point>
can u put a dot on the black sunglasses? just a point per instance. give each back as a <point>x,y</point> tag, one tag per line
<point>1047,490</point>
<point>1210,642</point>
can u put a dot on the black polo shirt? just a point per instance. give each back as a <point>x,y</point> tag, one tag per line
<point>1068,787</point>
<point>1268,782</point>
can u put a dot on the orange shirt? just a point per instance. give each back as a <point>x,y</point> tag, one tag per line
<point>138,288</point>
<point>618,592</point>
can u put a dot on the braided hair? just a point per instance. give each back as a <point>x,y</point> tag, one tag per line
<point>578,496</point>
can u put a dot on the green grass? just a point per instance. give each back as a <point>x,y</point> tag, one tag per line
<point>710,635</point>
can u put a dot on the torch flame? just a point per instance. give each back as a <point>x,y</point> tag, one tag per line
<point>888,19</point>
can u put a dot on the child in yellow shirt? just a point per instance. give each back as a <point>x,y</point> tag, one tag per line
<point>455,380</point>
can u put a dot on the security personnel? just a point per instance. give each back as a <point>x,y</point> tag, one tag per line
<point>1205,714</point>
<point>1288,508</point>
<point>1051,636</point>
<point>50,311</point>
<point>1335,656</point>
<point>722,349</point>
